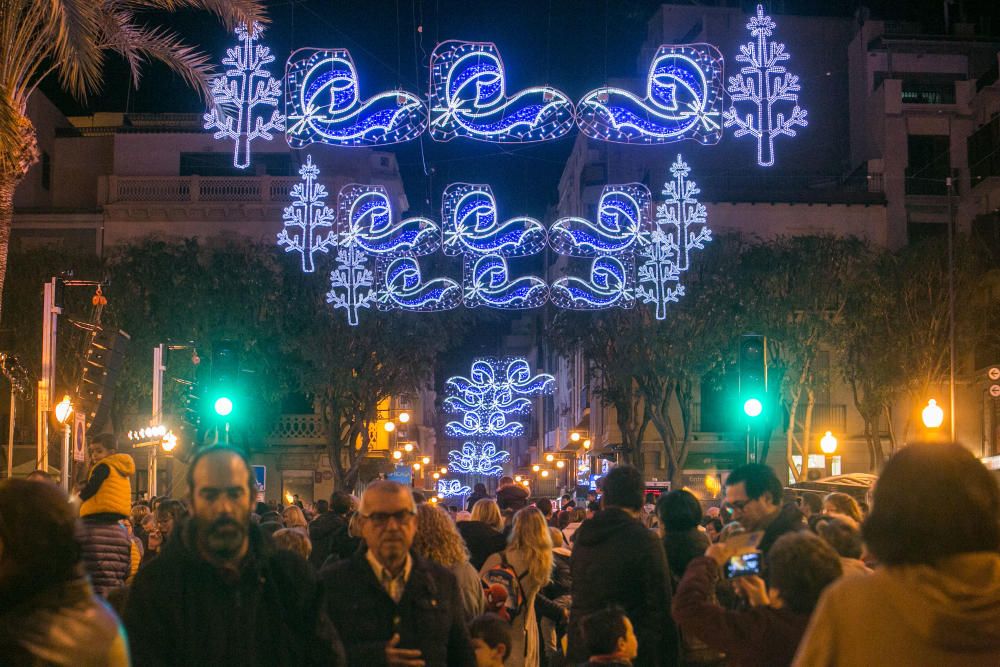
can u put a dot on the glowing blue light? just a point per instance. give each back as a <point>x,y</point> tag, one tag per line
<point>239,91</point>
<point>763,82</point>
<point>683,100</point>
<point>494,390</point>
<point>680,227</point>
<point>365,217</point>
<point>401,286</point>
<point>473,460</point>
<point>467,98</point>
<point>323,101</point>
<point>611,283</point>
<point>471,225</point>
<point>307,217</point>
<point>452,488</point>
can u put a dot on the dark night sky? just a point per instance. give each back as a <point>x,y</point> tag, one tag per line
<point>574,45</point>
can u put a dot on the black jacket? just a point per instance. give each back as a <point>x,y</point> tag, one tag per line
<point>512,497</point>
<point>619,561</point>
<point>429,616</point>
<point>683,546</point>
<point>329,536</point>
<point>789,519</point>
<point>482,540</point>
<point>184,611</point>
<point>473,499</point>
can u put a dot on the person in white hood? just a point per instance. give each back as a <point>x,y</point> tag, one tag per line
<point>935,529</point>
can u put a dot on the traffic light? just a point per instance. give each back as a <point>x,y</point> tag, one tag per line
<point>753,375</point>
<point>224,390</point>
<point>102,361</point>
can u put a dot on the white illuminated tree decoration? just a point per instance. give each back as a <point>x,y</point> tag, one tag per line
<point>680,227</point>
<point>309,218</point>
<point>240,90</point>
<point>452,488</point>
<point>351,283</point>
<point>481,460</point>
<point>764,83</point>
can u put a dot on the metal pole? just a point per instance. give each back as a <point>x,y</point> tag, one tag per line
<point>10,432</point>
<point>157,419</point>
<point>951,307</point>
<point>46,385</point>
<point>66,456</point>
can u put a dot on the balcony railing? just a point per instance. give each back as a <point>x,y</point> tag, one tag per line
<point>301,429</point>
<point>190,189</point>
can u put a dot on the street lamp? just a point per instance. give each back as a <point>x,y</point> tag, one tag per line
<point>63,410</point>
<point>397,455</point>
<point>169,442</point>
<point>932,414</point>
<point>828,443</point>
<point>389,427</point>
<point>575,437</point>
<point>404,417</point>
<point>550,458</point>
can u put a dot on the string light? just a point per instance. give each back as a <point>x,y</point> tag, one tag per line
<point>451,488</point>
<point>763,83</point>
<point>240,90</point>
<point>323,100</point>
<point>683,100</point>
<point>309,219</point>
<point>472,460</point>
<point>494,390</point>
<point>467,98</point>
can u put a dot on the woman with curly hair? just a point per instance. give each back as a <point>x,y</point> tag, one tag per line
<point>295,519</point>
<point>842,505</point>
<point>529,553</point>
<point>438,540</point>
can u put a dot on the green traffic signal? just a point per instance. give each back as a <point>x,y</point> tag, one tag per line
<point>752,407</point>
<point>223,406</point>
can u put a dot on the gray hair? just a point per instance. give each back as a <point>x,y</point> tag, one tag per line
<point>388,488</point>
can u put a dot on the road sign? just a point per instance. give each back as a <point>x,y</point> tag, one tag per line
<point>993,373</point>
<point>995,390</point>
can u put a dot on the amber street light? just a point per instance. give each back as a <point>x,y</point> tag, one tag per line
<point>932,415</point>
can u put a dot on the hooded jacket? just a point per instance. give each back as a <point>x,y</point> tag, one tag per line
<point>330,536</point>
<point>913,615</point>
<point>109,487</point>
<point>619,561</point>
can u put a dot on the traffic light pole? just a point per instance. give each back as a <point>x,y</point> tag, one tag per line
<point>46,385</point>
<point>751,445</point>
<point>158,369</point>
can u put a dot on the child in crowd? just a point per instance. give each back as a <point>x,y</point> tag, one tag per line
<point>610,638</point>
<point>490,639</point>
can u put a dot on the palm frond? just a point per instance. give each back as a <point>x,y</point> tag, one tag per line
<point>74,28</point>
<point>230,12</point>
<point>165,46</point>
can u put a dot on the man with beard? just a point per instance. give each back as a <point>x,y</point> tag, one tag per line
<point>401,610</point>
<point>220,594</point>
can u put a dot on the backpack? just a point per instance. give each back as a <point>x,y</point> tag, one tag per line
<point>502,586</point>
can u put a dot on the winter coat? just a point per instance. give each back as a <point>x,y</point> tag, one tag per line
<point>524,645</point>
<point>473,499</point>
<point>617,560</point>
<point>788,519</point>
<point>329,536</point>
<point>682,547</point>
<point>109,487</point>
<point>562,576</point>
<point>96,638</point>
<point>185,611</point>
<point>106,552</point>
<point>482,541</point>
<point>428,617</point>
<point>470,588</point>
<point>512,497</point>
<point>915,615</point>
<point>755,637</point>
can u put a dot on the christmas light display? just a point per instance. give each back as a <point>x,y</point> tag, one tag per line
<point>351,283</point>
<point>365,217</point>
<point>240,90</point>
<point>471,225</point>
<point>623,216</point>
<point>323,102</point>
<point>308,218</point>
<point>400,285</point>
<point>680,227</point>
<point>684,99</point>
<point>611,283</point>
<point>468,99</point>
<point>494,390</point>
<point>487,282</point>
<point>764,83</point>
<point>452,488</point>
<point>481,460</point>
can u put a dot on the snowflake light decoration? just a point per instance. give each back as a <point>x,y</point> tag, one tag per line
<point>308,218</point>
<point>764,83</point>
<point>240,90</point>
<point>468,99</point>
<point>481,460</point>
<point>351,283</point>
<point>494,390</point>
<point>452,488</point>
<point>680,227</point>
<point>323,99</point>
<point>683,100</point>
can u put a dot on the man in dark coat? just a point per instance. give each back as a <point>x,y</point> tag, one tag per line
<point>753,493</point>
<point>511,495</point>
<point>329,532</point>
<point>618,561</point>
<point>220,594</point>
<point>401,609</point>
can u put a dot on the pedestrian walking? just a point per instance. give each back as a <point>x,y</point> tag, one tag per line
<point>483,535</point>
<point>438,540</point>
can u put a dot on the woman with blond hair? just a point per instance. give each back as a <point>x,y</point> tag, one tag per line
<point>529,554</point>
<point>483,535</point>
<point>295,519</point>
<point>438,540</point>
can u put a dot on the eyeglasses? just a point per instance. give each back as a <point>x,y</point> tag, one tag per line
<point>739,504</point>
<point>382,518</point>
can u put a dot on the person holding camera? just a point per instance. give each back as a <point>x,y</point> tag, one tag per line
<point>800,565</point>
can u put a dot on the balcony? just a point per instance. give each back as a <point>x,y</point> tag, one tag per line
<point>298,429</point>
<point>194,189</point>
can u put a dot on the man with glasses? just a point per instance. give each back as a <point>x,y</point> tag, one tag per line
<point>401,610</point>
<point>753,494</point>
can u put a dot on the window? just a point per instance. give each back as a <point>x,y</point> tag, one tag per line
<point>929,164</point>
<point>46,171</point>
<point>924,92</point>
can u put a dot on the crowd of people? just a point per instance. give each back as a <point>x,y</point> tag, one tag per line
<point>387,578</point>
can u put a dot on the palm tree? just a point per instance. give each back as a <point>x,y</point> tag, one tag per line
<point>71,39</point>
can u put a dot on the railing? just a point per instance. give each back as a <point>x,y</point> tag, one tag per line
<point>198,188</point>
<point>304,429</point>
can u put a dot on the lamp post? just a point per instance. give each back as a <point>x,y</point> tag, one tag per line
<point>932,415</point>
<point>63,410</point>
<point>828,445</point>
